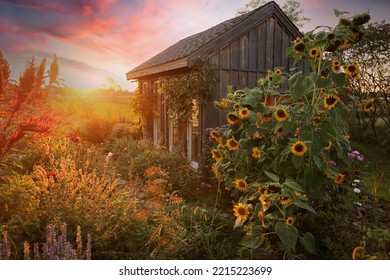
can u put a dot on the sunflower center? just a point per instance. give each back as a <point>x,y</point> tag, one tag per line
<point>233,143</point>
<point>281,114</point>
<point>241,211</point>
<point>241,185</point>
<point>351,68</point>
<point>299,147</point>
<point>330,100</point>
<point>300,47</point>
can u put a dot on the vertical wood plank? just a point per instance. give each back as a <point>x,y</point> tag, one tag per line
<point>234,51</point>
<point>224,58</point>
<point>278,45</point>
<point>286,39</point>
<point>252,79</point>
<point>244,40</point>
<point>253,49</point>
<point>243,79</point>
<point>214,59</point>
<point>269,50</point>
<point>261,39</point>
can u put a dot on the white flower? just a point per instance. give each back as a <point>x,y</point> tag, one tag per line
<point>356,190</point>
<point>356,181</point>
<point>109,154</point>
<point>358,203</point>
<point>354,184</point>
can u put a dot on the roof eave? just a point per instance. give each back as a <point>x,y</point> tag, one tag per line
<point>173,65</point>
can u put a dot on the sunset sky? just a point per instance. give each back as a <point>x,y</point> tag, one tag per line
<point>96,39</point>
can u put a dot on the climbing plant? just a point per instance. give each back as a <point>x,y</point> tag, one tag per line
<point>185,91</point>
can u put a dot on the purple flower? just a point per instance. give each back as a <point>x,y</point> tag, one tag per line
<point>351,155</point>
<point>360,157</point>
<point>331,163</point>
<point>356,152</point>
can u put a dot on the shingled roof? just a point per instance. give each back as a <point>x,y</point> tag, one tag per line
<point>174,56</point>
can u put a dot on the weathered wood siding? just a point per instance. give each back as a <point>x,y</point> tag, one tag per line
<point>246,59</point>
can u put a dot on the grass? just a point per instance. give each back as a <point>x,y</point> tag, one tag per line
<point>85,105</point>
<point>377,168</point>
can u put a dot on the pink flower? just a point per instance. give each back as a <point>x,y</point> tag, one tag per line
<point>351,155</point>
<point>360,157</point>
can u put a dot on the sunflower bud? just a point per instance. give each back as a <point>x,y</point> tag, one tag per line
<point>361,19</point>
<point>345,22</point>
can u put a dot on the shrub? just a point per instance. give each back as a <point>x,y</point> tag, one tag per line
<point>66,193</point>
<point>95,129</point>
<point>126,130</point>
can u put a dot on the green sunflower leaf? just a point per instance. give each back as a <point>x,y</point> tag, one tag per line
<point>308,242</point>
<point>272,176</point>
<point>293,185</point>
<point>303,205</point>
<point>287,234</point>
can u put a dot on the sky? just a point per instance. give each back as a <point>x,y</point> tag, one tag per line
<point>96,39</point>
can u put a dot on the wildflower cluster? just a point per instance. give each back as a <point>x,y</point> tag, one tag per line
<point>274,158</point>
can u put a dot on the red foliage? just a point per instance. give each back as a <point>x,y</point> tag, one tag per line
<point>22,106</point>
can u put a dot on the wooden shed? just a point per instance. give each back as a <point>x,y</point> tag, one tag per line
<point>242,49</point>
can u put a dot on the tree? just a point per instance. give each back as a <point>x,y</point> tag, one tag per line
<point>22,112</point>
<point>54,71</point>
<point>372,91</point>
<point>292,8</point>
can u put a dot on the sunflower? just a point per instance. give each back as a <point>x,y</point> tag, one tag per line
<point>339,179</point>
<point>244,113</point>
<point>260,214</point>
<point>330,101</point>
<point>215,170</point>
<point>328,145</point>
<point>215,135</point>
<point>224,103</point>
<point>241,185</point>
<point>336,91</point>
<point>281,114</point>
<point>232,118</point>
<point>297,40</point>
<point>218,106</point>
<point>241,211</point>
<point>256,153</point>
<point>232,144</point>
<point>236,106</point>
<point>322,90</point>
<point>369,106</point>
<point>280,132</point>
<point>344,43</point>
<point>289,221</point>
<point>284,200</point>
<point>314,53</point>
<point>299,148</point>
<point>336,62</point>
<point>300,47</point>
<point>352,71</point>
<point>316,120</point>
<point>278,72</point>
<point>274,189</point>
<point>336,68</point>
<point>330,36</point>
<point>217,155</point>
<point>265,202</point>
